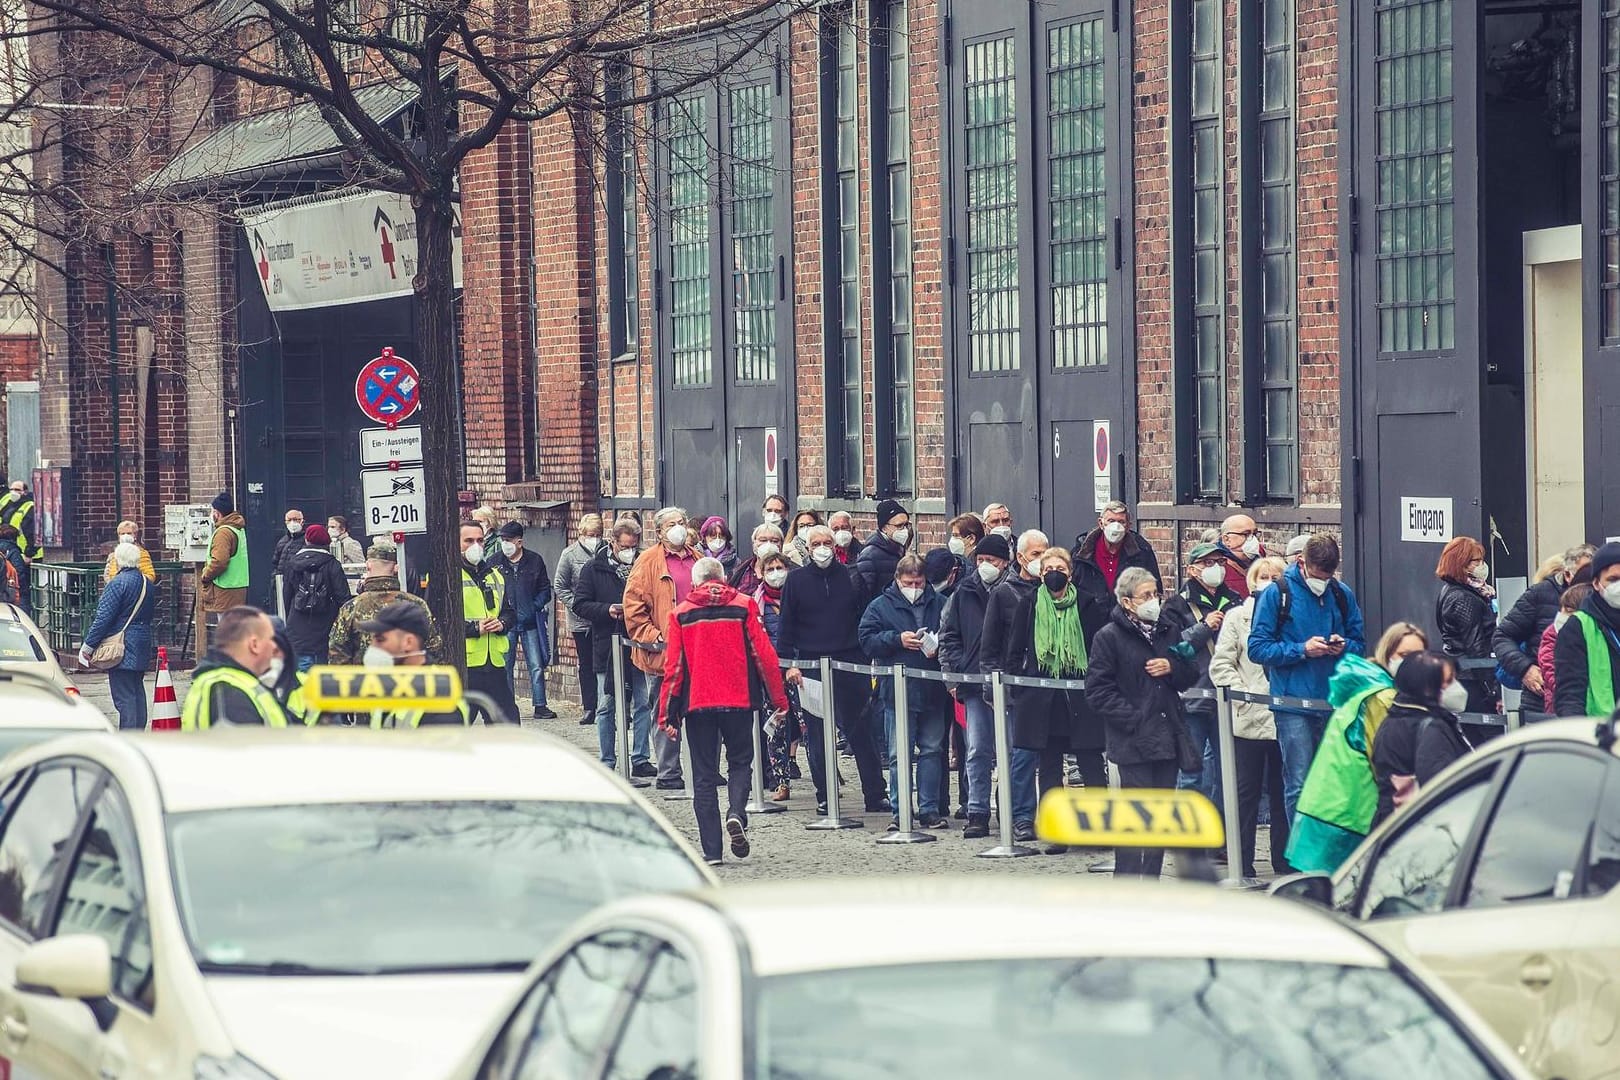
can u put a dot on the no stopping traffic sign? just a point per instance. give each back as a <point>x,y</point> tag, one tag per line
<point>388,389</point>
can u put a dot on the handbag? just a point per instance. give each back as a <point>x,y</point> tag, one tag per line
<point>110,653</point>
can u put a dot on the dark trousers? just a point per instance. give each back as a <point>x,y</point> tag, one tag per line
<point>1259,764</point>
<point>491,681</point>
<point>1143,862</point>
<point>850,695</point>
<point>584,651</point>
<point>128,689</point>
<point>957,746</point>
<point>705,731</point>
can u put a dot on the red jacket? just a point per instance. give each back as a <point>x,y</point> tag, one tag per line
<point>1544,660</point>
<point>718,656</point>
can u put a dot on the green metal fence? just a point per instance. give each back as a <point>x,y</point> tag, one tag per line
<point>65,597</point>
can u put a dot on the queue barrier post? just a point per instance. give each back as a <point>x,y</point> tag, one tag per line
<point>1229,797</point>
<point>757,804</point>
<point>1007,849</point>
<point>906,833</point>
<point>621,714</point>
<point>829,753</point>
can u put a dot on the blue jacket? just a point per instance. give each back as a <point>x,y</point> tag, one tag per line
<point>117,600</point>
<point>881,626</point>
<point>1280,649</point>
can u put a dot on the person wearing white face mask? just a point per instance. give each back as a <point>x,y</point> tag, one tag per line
<point>379,588</point>
<point>781,748</point>
<point>288,543</point>
<point>399,633</point>
<point>1099,557</point>
<point>599,600</point>
<point>846,549</point>
<point>488,610</point>
<point>129,534</point>
<point>1421,735</point>
<point>528,582</point>
<point>569,564</point>
<point>773,511</point>
<point>659,582</point>
<point>1240,545</point>
<point>1587,653</point>
<point>765,542</point>
<point>1134,686</point>
<point>313,592</point>
<point>963,535</point>
<point>961,630</point>
<point>1196,611</point>
<point>1302,626</point>
<point>1019,584</point>
<point>884,548</point>
<point>998,519</point>
<point>1465,612</point>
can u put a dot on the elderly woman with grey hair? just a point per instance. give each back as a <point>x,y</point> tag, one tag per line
<point>750,574</point>
<point>1134,686</point>
<point>658,583</point>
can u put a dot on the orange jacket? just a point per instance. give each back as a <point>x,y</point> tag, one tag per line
<point>649,600</point>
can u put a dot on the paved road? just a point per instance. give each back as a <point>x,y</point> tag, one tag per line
<point>782,847</point>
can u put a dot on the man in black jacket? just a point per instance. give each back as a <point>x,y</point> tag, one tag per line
<point>881,553</point>
<point>599,600</point>
<point>1195,613</point>
<point>821,615</point>
<point>528,582</point>
<point>1518,635</point>
<point>1099,556</point>
<point>1587,653</point>
<point>289,543</point>
<point>961,630</point>
<point>999,611</point>
<point>313,591</point>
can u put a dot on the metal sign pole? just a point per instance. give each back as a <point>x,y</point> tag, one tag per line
<point>1006,849</point>
<point>757,804</point>
<point>829,753</point>
<point>906,834</point>
<point>1229,797</point>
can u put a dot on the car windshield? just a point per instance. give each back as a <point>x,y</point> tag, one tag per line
<point>16,738</point>
<point>17,645</point>
<point>401,887</point>
<point>1113,1018</point>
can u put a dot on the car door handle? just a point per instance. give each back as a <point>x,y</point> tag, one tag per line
<point>1536,973</point>
<point>15,1028</point>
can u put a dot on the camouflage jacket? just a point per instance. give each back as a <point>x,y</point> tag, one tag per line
<point>348,645</point>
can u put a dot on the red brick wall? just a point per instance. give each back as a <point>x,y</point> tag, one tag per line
<point>19,359</point>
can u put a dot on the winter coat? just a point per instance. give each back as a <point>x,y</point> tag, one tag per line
<point>287,545</point>
<point>118,601</point>
<point>1232,667</point>
<point>1237,568</point>
<point>311,631</point>
<point>745,578</point>
<point>1569,654</point>
<point>569,566</point>
<point>148,571</point>
<point>1096,591</point>
<point>1280,647</point>
<point>597,589</point>
<point>1518,637</point>
<point>1044,719</point>
<point>11,553</point>
<point>876,562</point>
<point>1413,741</point>
<point>962,627</point>
<point>1466,625</point>
<point>649,601</point>
<point>1547,661</point>
<point>885,619</point>
<point>770,612</point>
<point>528,583</point>
<point>221,549</point>
<point>821,615</point>
<point>999,612</point>
<point>346,550</point>
<point>1339,801</point>
<point>718,657</point>
<point>1141,715</point>
<point>1186,611</point>
<point>347,645</point>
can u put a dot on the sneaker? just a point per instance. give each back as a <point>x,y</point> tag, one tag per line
<point>739,837</point>
<point>543,713</point>
<point>882,806</point>
<point>715,862</point>
<point>666,785</point>
<point>821,808</point>
<point>781,794</point>
<point>1072,777</point>
<point>1024,831</point>
<point>894,825</point>
<point>645,769</point>
<point>978,827</point>
<point>937,821</point>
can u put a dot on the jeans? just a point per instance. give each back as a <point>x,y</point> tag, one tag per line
<point>705,732</point>
<point>1259,764</point>
<point>928,736</point>
<point>850,692</point>
<point>585,655</point>
<point>306,661</point>
<point>128,689</point>
<point>1034,773</point>
<point>1135,861</point>
<point>536,656</point>
<point>981,752</point>
<point>607,729</point>
<point>1204,727</point>
<point>1298,735</point>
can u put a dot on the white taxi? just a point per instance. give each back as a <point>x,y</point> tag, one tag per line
<point>23,648</point>
<point>288,904</point>
<point>33,708</point>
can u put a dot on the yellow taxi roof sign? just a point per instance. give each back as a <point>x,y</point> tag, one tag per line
<point>361,689</point>
<point>1132,818</point>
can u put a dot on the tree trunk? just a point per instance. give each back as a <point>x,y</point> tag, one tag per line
<point>441,418</point>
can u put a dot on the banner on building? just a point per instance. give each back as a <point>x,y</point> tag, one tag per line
<point>349,250</point>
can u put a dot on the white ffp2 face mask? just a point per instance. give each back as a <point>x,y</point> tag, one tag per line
<point>1454,698</point>
<point>774,578</point>
<point>989,573</point>
<point>377,656</point>
<point>901,536</point>
<point>717,544</point>
<point>1611,594</point>
<point>295,527</point>
<point>1148,611</point>
<point>1317,585</point>
<point>509,549</point>
<point>590,543</point>
<point>1114,532</point>
<point>843,538</point>
<point>1251,546</point>
<point>957,545</point>
<point>821,556</point>
<point>272,674</point>
<point>911,594</point>
<point>1212,576</point>
<point>474,553</point>
<point>676,537</point>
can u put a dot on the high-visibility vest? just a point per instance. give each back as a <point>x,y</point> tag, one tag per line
<point>411,718</point>
<point>15,516</point>
<point>236,571</point>
<point>484,602</point>
<point>198,712</point>
<point>1599,669</point>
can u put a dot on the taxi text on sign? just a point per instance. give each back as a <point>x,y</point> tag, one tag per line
<point>359,689</point>
<point>1141,818</point>
<point>1425,521</point>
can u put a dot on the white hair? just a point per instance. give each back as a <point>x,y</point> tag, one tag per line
<point>836,514</point>
<point>666,514</point>
<point>994,506</point>
<point>127,556</point>
<point>1031,536</point>
<point>815,532</point>
<point>707,569</point>
<point>1130,579</point>
<point>768,531</point>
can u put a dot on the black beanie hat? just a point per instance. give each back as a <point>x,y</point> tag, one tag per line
<point>995,545</point>
<point>887,511</point>
<point>224,503</point>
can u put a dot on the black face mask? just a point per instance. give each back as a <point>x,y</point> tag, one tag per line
<point>1056,581</point>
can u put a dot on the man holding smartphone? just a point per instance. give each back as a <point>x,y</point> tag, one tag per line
<point>1301,628</point>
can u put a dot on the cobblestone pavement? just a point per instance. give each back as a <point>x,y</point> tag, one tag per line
<point>782,847</point>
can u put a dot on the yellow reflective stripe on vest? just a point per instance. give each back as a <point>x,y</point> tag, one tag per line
<point>20,511</point>
<point>485,648</point>
<point>236,571</point>
<point>198,712</point>
<point>410,718</point>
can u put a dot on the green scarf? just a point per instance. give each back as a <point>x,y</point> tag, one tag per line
<point>1060,646</point>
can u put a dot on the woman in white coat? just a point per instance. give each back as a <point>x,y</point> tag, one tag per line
<point>1258,757</point>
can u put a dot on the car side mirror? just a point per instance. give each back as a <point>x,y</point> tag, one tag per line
<point>1314,889</point>
<point>74,966</point>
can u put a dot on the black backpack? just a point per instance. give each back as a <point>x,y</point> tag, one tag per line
<point>312,595</point>
<point>1285,599</point>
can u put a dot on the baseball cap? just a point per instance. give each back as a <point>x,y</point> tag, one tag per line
<point>400,615</point>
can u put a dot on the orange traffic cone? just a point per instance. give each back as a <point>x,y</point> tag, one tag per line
<point>165,715</point>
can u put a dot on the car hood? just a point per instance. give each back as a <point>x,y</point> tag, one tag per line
<point>400,1026</point>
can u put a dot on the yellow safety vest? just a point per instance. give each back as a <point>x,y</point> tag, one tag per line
<point>198,712</point>
<point>484,602</point>
<point>25,543</point>
<point>411,718</point>
<point>236,571</point>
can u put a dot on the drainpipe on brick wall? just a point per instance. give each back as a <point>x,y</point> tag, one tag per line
<point>112,370</point>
